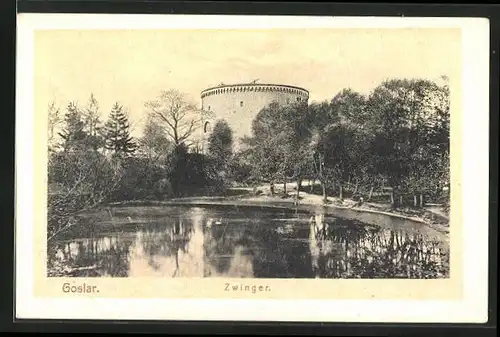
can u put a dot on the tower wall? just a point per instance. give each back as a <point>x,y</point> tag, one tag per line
<point>239,104</point>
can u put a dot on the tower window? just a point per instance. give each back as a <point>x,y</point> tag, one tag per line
<point>241,103</point>
<point>205,127</point>
<point>209,108</point>
<point>298,99</point>
<point>288,101</point>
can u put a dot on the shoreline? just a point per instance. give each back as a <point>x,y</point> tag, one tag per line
<point>287,204</point>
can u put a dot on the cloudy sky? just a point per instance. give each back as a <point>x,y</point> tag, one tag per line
<point>132,66</point>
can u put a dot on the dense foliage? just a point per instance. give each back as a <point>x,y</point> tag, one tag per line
<point>396,139</point>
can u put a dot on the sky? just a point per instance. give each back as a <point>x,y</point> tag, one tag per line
<point>133,66</point>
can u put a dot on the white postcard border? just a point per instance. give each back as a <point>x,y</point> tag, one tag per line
<point>475,138</point>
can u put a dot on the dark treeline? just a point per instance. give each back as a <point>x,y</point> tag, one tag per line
<point>395,139</point>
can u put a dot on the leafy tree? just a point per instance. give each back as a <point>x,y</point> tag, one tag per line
<point>145,173</point>
<point>350,107</point>
<point>279,143</point>
<point>220,147</point>
<point>295,134</point>
<point>335,145</point>
<point>186,172</point>
<point>117,134</point>
<point>257,154</point>
<point>154,143</point>
<point>409,121</point>
<point>322,119</point>
<point>176,168</point>
<point>267,149</point>
<point>241,167</point>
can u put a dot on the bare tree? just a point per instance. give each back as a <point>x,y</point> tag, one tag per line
<point>54,120</point>
<point>91,115</point>
<point>180,117</point>
<point>80,182</point>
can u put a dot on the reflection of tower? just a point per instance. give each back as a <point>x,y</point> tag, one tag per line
<point>197,240</point>
<point>314,247</point>
<point>320,224</point>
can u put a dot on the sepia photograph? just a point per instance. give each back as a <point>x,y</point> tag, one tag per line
<point>187,153</point>
<point>202,160</point>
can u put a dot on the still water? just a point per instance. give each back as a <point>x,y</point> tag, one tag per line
<point>246,242</point>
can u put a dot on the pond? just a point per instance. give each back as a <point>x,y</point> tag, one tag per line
<point>245,242</point>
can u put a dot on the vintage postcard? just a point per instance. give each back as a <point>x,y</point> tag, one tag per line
<point>252,168</point>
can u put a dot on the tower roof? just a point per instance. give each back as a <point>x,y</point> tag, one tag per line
<point>253,84</point>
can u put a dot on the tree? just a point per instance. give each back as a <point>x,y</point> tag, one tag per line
<point>220,146</point>
<point>280,135</point>
<point>267,151</point>
<point>93,128</point>
<point>73,134</point>
<point>322,117</point>
<point>179,117</point>
<point>177,163</point>
<point>262,158</point>
<point>338,146</point>
<point>409,121</point>
<point>79,182</point>
<point>295,134</point>
<point>117,134</point>
<point>154,143</point>
<point>241,167</point>
<point>54,121</point>
<point>350,109</point>
<point>146,174</point>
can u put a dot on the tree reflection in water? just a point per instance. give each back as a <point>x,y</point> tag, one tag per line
<point>258,248</point>
<point>282,253</point>
<point>164,242</point>
<point>221,245</point>
<point>113,255</point>
<point>91,257</point>
<point>355,250</point>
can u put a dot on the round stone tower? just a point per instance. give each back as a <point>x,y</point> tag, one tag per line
<point>238,104</point>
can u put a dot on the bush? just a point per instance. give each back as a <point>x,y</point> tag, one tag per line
<point>83,180</point>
